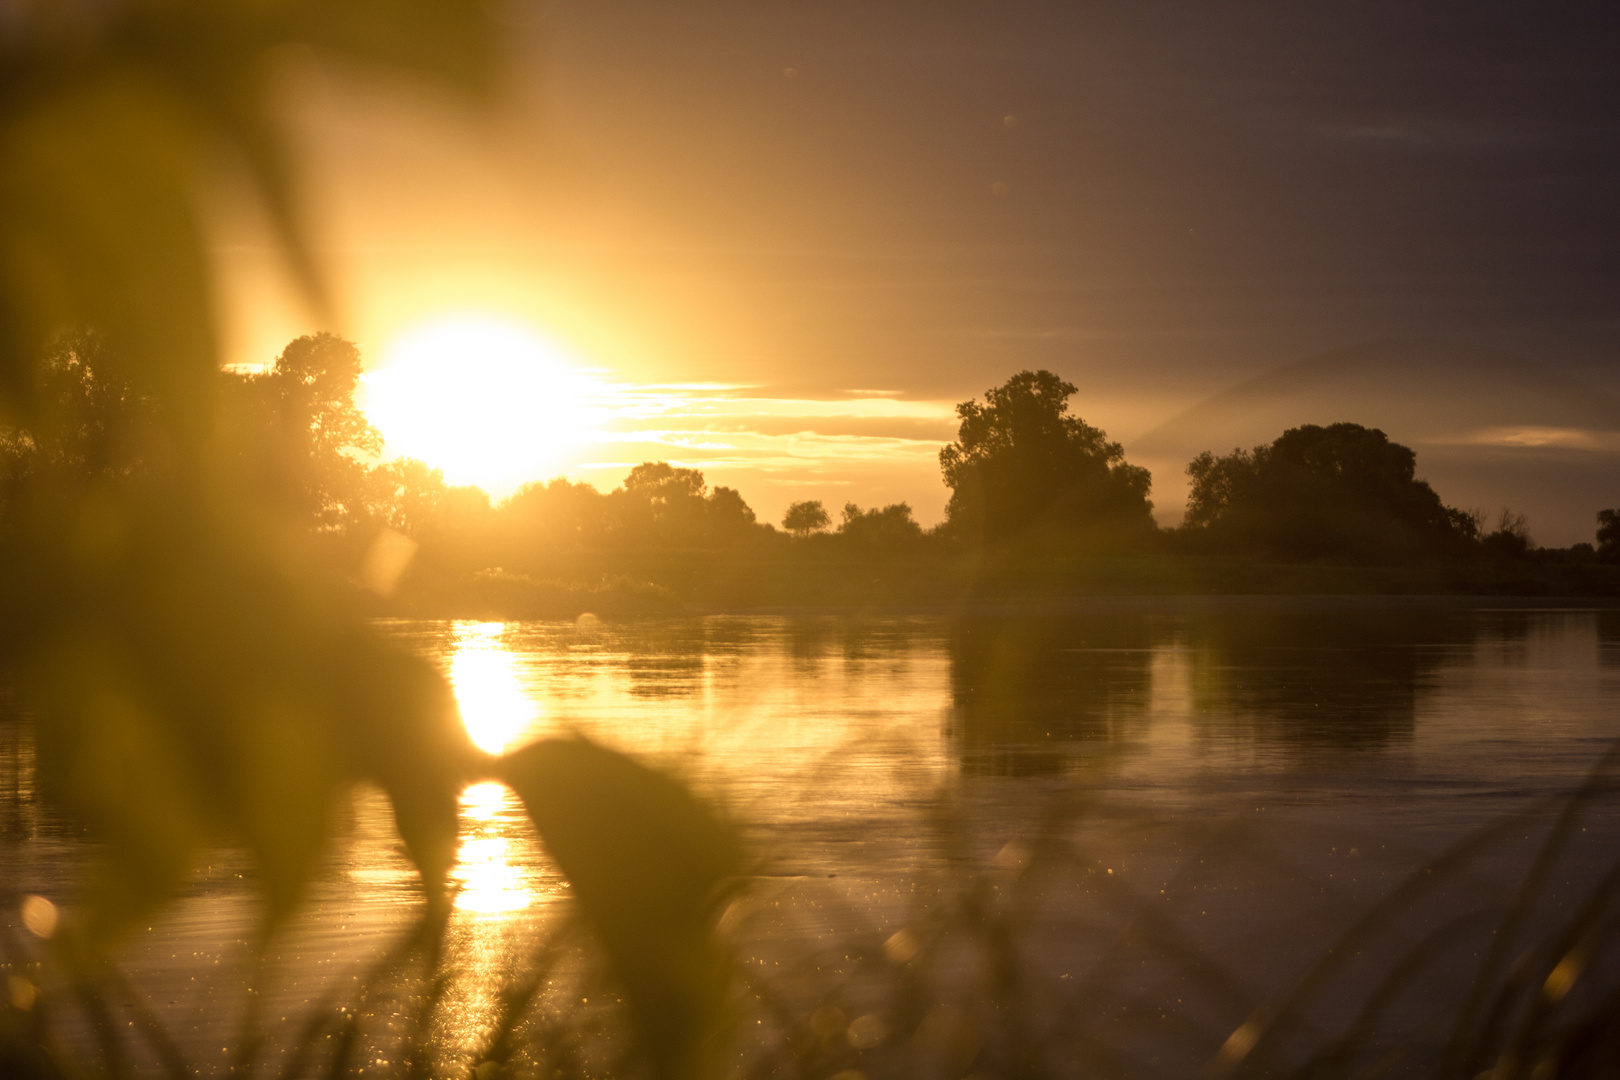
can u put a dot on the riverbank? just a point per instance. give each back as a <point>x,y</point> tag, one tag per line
<point>673,581</point>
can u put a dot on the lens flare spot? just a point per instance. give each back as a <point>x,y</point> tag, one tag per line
<point>39,916</point>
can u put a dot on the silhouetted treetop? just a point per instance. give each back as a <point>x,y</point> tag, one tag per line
<point>663,504</point>
<point>661,480</point>
<point>314,380</point>
<point>890,525</point>
<point>1608,534</point>
<point>87,424</point>
<point>1342,491</point>
<point>1021,463</point>
<point>301,436</point>
<point>804,518</point>
<point>559,515</point>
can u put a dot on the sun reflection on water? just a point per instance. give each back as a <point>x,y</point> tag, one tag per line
<point>494,707</point>
<point>501,886</point>
<point>494,870</point>
<point>489,876</point>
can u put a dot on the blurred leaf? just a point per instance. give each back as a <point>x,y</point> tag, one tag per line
<point>97,228</point>
<point>402,729</point>
<point>191,691</point>
<point>453,40</point>
<point>650,864</point>
<point>105,751</point>
<point>195,678</point>
<point>286,775</point>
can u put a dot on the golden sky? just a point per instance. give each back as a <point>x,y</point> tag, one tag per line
<point>788,237</point>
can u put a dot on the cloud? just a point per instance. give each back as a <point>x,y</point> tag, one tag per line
<point>1550,437</point>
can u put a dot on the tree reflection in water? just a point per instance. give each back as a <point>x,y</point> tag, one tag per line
<point>1608,630</point>
<point>1034,694</point>
<point>1306,681</point>
<point>1027,690</point>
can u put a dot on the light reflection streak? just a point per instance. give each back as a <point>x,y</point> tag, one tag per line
<point>487,880</point>
<point>494,707</point>
<point>492,875</point>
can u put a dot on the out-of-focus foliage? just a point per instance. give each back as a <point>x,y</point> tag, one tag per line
<point>1343,491</point>
<point>650,865</point>
<point>106,113</point>
<point>196,667</point>
<point>1022,467</point>
<point>804,518</point>
<point>194,675</point>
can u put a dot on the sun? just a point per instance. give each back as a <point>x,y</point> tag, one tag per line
<point>486,399</point>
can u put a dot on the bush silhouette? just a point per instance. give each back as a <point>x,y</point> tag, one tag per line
<point>891,525</point>
<point>1022,467</point>
<point>1342,491</point>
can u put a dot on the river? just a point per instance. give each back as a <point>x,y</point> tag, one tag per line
<point>1262,769</point>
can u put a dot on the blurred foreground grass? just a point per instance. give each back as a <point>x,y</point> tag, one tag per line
<point>1107,941</point>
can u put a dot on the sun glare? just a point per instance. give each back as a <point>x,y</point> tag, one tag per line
<point>488,689</point>
<point>485,399</point>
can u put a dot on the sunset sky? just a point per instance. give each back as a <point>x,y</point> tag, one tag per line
<point>779,240</point>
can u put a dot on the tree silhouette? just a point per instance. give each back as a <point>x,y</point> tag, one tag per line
<point>663,505</point>
<point>1022,465</point>
<point>891,525</point>
<point>309,437</point>
<point>1343,491</point>
<point>804,518</point>
<point>89,425</point>
<point>1608,534</point>
<point>552,517</point>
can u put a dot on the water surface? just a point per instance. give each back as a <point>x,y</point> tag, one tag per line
<point>1344,740</point>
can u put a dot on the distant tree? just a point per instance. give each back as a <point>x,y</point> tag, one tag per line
<point>1608,534</point>
<point>728,513</point>
<point>1021,465</point>
<point>1511,537</point>
<point>891,525</point>
<point>551,517</point>
<point>804,518</point>
<point>1343,491</point>
<point>659,481</point>
<point>662,504</point>
<point>89,425</point>
<point>409,496</point>
<point>300,433</point>
<point>315,378</point>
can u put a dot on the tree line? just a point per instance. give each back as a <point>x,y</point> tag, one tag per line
<point>1024,475</point>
